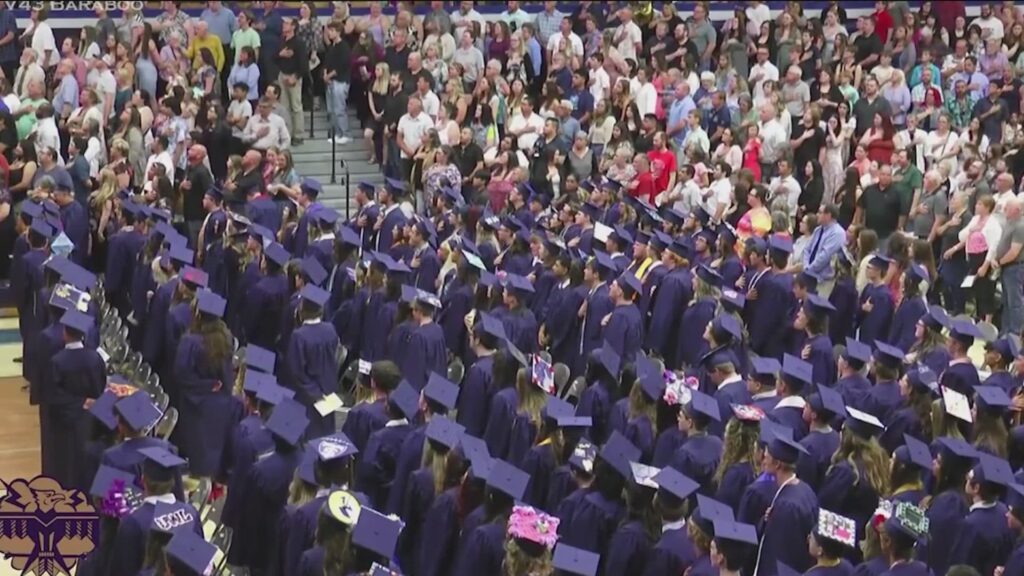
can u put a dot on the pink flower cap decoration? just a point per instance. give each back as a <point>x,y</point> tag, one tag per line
<point>529,524</point>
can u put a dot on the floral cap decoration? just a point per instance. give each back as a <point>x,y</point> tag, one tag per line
<point>882,513</point>
<point>529,524</point>
<point>121,500</point>
<point>679,389</point>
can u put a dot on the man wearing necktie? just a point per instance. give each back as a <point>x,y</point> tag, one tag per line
<point>826,241</point>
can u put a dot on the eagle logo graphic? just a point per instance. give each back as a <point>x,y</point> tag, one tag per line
<point>46,529</point>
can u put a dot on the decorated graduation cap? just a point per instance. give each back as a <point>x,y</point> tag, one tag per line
<point>160,465</point>
<point>956,404</point>
<point>862,423</point>
<point>189,550</point>
<point>836,528</point>
<point>583,455</point>
<point>170,518</point>
<point>67,297</point>
<point>210,303</point>
<point>888,355</point>
<point>796,373</point>
<point>288,421</point>
<point>137,411</point>
<point>441,391</point>
<point>109,479</point>
<point>532,529</point>
<point>733,301</point>
<point>542,375</point>
<point>195,277</point>
<point>643,475</point>
<point>575,560</point>
<point>333,447</point>
<point>747,413</point>
<point>259,358</point>
<point>618,452</point>
<point>907,523</point>
<point>428,300</point>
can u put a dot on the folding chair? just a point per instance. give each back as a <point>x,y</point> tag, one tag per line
<point>456,371</point>
<point>545,356</point>
<point>201,494</point>
<point>577,387</point>
<point>166,425</point>
<point>222,540</point>
<point>561,378</point>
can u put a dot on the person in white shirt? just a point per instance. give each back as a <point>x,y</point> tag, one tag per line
<point>265,129</point>
<point>757,13</point>
<point>467,18</point>
<point>991,27</point>
<point>29,71</point>
<point>527,126</point>
<point>412,128</point>
<point>43,41</point>
<point>628,38</point>
<point>784,189</point>
<point>686,196</point>
<point>696,138</point>
<point>761,72</point>
<point>515,17</point>
<point>160,155</point>
<point>45,130</point>
<point>600,82</point>
<point>644,93</point>
<point>718,196</point>
<point>430,102</point>
<point>774,142</point>
<point>106,85</point>
<point>239,110</point>
<point>566,40</point>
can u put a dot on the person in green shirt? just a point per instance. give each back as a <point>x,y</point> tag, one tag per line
<point>907,176</point>
<point>245,36</point>
<point>25,117</point>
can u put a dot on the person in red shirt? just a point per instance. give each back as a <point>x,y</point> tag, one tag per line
<point>643,185</point>
<point>663,164</point>
<point>883,21</point>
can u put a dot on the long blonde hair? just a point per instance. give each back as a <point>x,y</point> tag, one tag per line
<point>382,80</point>
<point>518,563</point>
<point>107,188</point>
<point>531,398</point>
<point>740,445</point>
<point>865,456</point>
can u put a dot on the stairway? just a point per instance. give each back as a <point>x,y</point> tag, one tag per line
<point>313,160</point>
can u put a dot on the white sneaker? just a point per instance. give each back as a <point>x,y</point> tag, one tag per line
<point>342,140</point>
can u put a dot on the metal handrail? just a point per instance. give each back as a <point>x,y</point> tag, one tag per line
<point>348,188</point>
<point>312,110</point>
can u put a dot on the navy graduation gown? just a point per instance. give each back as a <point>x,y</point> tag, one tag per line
<point>730,268</point>
<point>921,569</point>
<point>265,493</point>
<point>561,485</point>
<point>215,261</point>
<point>1003,380</point>
<point>264,211</point>
<point>624,332</point>
<point>75,219</point>
<point>789,412</point>
<point>436,546</point>
<point>727,394</point>
<point>945,514</point>
<point>823,364</point>
<point>599,305</point>
<point>562,323</point>
<point>393,218</point>
<point>628,550</point>
<point>984,540</point>
<point>287,326</point>
<point>322,249</point>
<point>153,346</point>
<point>521,328</point>
<point>845,300</point>
<point>483,551</point>
<point>873,567</point>
<point>312,562</point>
<point>370,211</point>
<point>904,322</point>
<point>882,400</point>
<point>269,295</point>
<point>363,420</point>
<point>122,251</point>
<point>313,370</point>
<point>539,463</point>
<point>521,438</point>
<point>903,421</point>
<point>1014,564</point>
<point>26,280</point>
<point>780,287</point>
<point>673,553</point>
<point>735,479</point>
<point>755,500</point>
<point>909,494</point>
<point>853,388</point>
<point>651,281</point>
<point>593,522</point>
<point>76,374</point>
<point>640,431</point>
<point>249,440</point>
<point>129,548</point>
<point>596,402</point>
<point>377,320</point>
<point>410,457</point>
<point>299,532</point>
<point>35,368</point>
<point>820,445</point>
<point>961,376</point>
<point>302,229</point>
<point>475,397</point>
<point>456,302</point>
<point>500,417</point>
<point>618,416</point>
<point>766,401</point>
<point>236,316</point>
<point>375,472</point>
<point>846,491</point>
<point>566,507</point>
<point>844,568</point>
<point>126,457</point>
<point>875,325</point>
<point>761,312</point>
<point>665,446</point>
<point>668,302</point>
<point>205,393</point>
<point>794,511</point>
<point>542,288</point>
<point>426,353</point>
<point>425,275</point>
<point>417,500</point>
<point>698,458</point>
<point>178,317</point>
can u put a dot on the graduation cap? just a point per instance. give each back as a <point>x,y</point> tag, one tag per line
<point>593,211</point>
<point>917,272</point>
<point>476,453</point>
<point>195,277</point>
<point>888,355</point>
<point>61,244</point>
<point>441,390</point>
<point>313,270</point>
<point>618,452</point>
<point>137,411</point>
<point>708,511</point>
<point>519,285</point>
<point>747,413</point>
<point>785,450</point>
<point>641,237</point>
<point>765,366</point>
<point>956,448</point>
<point>108,477</point>
<point>507,479</point>
<point>733,301</point>
<point>277,254</point>
<point>756,244</point>
<point>314,295</point>
<point>490,324</point>
<point>181,254</point>
<point>922,378</point>
<point>608,359</point>
<point>288,421</point>
<point>733,531</point>
<point>103,409</point>
<point>1006,348</point>
<point>879,261</point>
<point>707,235</point>
<point>42,228</point>
<point>211,303</point>
<point>343,507</point>
<point>269,391</point>
<point>78,277</point>
<point>444,432</point>
<point>936,318</point>
<point>311,187</point>
<point>583,455</point>
<point>965,331</point>
<point>428,299</point>
<point>680,247</point>
<point>780,244</point>
<point>333,447</point>
<point>863,424</point>
<point>993,470</point>
<point>857,351</point>
<point>326,216</point>
<point>32,209</point>
<point>406,399</point>
<point>701,403</point>
<point>956,404</point>
<point>709,276</point>
<point>796,372</point>
<point>190,550</point>
<point>836,528</point>
<point>542,375</point>
<point>376,532</point>
<point>819,306</point>
<point>67,297</point>
<point>366,186</point>
<point>347,236</point>
<point>394,185</point>
<point>216,193</point>
<point>809,280</point>
<point>603,262</point>
<point>629,280</point>
<point>259,358</point>
<point>675,483</point>
<point>914,452</point>
<point>575,560</point>
<point>643,475</point>
<point>992,398</point>
<point>169,518</point>
<point>76,321</point>
<point>652,383</point>
<point>161,464</point>
<point>907,520</point>
<point>660,240</point>
<point>725,328</point>
<point>827,401</point>
<point>771,430</point>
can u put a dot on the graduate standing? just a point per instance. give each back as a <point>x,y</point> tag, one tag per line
<point>793,510</point>
<point>623,329</point>
<point>426,351</point>
<point>313,359</point>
